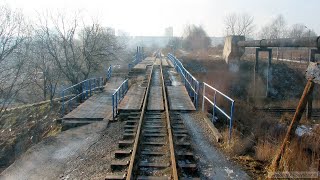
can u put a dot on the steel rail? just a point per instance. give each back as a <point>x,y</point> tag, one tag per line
<point>136,140</point>
<point>130,173</point>
<point>172,154</point>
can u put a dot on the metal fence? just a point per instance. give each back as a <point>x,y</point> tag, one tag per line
<point>108,73</point>
<point>216,107</point>
<point>79,92</point>
<point>190,82</point>
<point>193,85</point>
<point>137,58</point>
<point>117,97</point>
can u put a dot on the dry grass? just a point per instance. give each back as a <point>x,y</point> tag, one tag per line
<point>239,145</point>
<point>264,150</point>
<point>299,158</point>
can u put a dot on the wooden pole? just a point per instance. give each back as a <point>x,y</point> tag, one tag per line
<point>294,123</point>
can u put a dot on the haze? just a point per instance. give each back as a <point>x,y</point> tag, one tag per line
<point>150,18</point>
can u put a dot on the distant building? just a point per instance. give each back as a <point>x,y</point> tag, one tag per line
<point>168,32</point>
<point>162,41</point>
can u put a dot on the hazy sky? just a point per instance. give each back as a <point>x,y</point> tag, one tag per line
<point>151,17</point>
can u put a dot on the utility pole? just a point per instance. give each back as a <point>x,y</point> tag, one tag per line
<point>309,49</point>
<point>310,98</point>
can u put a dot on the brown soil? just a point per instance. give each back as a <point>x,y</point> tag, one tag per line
<point>20,128</point>
<point>95,162</point>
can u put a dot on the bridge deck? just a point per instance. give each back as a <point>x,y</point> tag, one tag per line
<point>170,63</point>
<point>99,106</point>
<point>179,99</point>
<point>155,99</point>
<point>165,62</point>
<point>143,64</point>
<point>133,99</point>
<point>157,61</point>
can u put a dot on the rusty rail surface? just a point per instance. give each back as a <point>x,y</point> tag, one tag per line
<point>136,141</point>
<point>155,143</point>
<point>130,172</point>
<point>166,107</point>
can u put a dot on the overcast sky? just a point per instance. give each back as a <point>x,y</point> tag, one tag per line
<point>151,17</point>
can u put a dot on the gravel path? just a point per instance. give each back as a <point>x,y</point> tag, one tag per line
<point>213,164</point>
<point>80,153</point>
<point>95,162</point>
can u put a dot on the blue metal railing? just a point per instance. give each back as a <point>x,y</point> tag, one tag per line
<point>215,106</point>
<point>109,73</point>
<point>137,58</point>
<point>79,92</point>
<point>117,97</point>
<point>191,83</point>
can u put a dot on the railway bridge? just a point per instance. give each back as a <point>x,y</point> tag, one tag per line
<point>146,124</point>
<point>155,144</point>
<point>150,140</point>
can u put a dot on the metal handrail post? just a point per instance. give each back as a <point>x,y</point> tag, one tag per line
<point>231,120</point>
<point>120,92</point>
<point>203,95</point>
<point>118,95</point>
<point>197,95</point>
<point>83,95</point>
<point>69,106</point>
<point>127,86</point>
<point>113,107</point>
<point>116,102</point>
<point>193,92</point>
<point>110,70</point>
<point>87,89</point>
<point>62,103</point>
<point>214,106</point>
<point>90,86</point>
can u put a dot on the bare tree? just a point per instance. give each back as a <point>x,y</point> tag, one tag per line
<point>97,45</point>
<point>300,30</point>
<point>46,75</point>
<point>77,50</point>
<point>278,28</point>
<point>274,30</point>
<point>13,51</point>
<point>195,38</point>
<point>175,43</point>
<point>297,30</point>
<point>239,24</point>
<point>309,33</point>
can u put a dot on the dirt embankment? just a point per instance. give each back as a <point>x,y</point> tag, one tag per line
<point>20,128</point>
<point>256,135</point>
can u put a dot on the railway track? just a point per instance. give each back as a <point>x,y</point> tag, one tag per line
<point>280,111</point>
<point>155,144</point>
